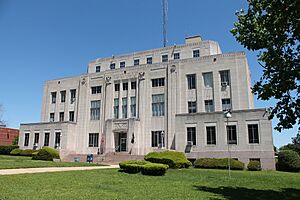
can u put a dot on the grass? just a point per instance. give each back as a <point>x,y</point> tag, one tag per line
<point>14,162</point>
<point>176,184</point>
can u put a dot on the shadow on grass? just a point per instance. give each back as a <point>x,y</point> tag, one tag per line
<point>240,193</point>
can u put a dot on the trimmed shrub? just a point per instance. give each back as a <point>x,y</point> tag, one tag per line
<point>289,161</point>
<point>132,166</point>
<point>173,159</point>
<point>154,169</point>
<point>34,155</point>
<point>27,152</point>
<point>218,163</point>
<point>46,153</point>
<point>16,152</point>
<point>6,149</point>
<point>254,165</point>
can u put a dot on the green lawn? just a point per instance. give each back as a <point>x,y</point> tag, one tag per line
<point>13,162</point>
<point>176,184</point>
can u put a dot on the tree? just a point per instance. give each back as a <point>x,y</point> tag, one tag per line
<point>294,146</point>
<point>272,28</point>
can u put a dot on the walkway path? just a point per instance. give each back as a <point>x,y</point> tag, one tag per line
<point>52,169</point>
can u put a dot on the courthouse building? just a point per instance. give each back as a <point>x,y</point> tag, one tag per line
<point>170,98</point>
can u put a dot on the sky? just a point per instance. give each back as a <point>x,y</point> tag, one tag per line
<point>48,39</point>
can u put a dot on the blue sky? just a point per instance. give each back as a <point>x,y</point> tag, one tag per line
<point>44,40</point>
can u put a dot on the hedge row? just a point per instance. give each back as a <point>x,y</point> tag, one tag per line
<point>6,149</point>
<point>147,168</point>
<point>20,152</point>
<point>46,153</point>
<point>218,163</point>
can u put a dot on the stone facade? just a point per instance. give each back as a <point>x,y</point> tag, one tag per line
<point>146,101</point>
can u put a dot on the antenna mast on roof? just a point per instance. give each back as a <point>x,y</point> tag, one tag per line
<point>165,17</point>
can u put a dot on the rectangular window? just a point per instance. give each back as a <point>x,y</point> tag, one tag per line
<point>71,116</point>
<point>133,85</point>
<point>136,62</point>
<point>225,78</point>
<point>133,106</point>
<point>208,79</point>
<point>122,64</point>
<point>36,139</point>
<point>124,107</point>
<point>211,134</point>
<point>191,135</point>
<point>116,108</point>
<point>61,116</point>
<point>125,86</point>
<point>46,139</point>
<point>226,104</point>
<point>62,96</point>
<point>73,95</point>
<point>26,139</point>
<point>164,58</point>
<point>149,60</point>
<point>196,53</point>
<point>158,82</point>
<point>176,56</point>
<point>192,106</point>
<point>98,68</point>
<point>53,97</point>
<point>57,139</point>
<point>253,133</point>
<point>93,139</point>
<point>158,139</point>
<point>112,65</point>
<point>95,110</point>
<point>191,80</point>
<point>158,105</point>
<point>231,134</point>
<point>96,89</point>
<point>209,105</point>
<point>117,87</point>
<point>51,117</point>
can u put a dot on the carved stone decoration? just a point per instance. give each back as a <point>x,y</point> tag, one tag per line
<point>172,68</point>
<point>120,126</point>
<point>107,79</point>
<point>83,81</point>
<point>141,75</point>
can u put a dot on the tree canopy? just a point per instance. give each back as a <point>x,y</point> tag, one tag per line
<point>272,28</point>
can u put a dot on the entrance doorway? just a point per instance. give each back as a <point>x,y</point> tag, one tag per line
<point>121,142</point>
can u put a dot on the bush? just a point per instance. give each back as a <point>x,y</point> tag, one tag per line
<point>46,153</point>
<point>27,152</point>
<point>154,169</point>
<point>218,163</point>
<point>289,161</point>
<point>34,155</point>
<point>173,159</point>
<point>6,149</point>
<point>132,166</point>
<point>254,165</point>
<point>16,152</point>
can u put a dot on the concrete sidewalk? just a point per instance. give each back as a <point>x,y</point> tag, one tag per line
<point>52,169</point>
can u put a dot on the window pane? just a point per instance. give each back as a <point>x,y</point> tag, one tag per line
<point>253,133</point>
<point>231,134</point>
<point>191,79</point>
<point>208,79</point>
<point>158,105</point>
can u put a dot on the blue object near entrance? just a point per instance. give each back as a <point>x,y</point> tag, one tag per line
<point>89,158</point>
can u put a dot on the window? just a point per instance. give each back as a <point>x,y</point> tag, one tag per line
<point>36,138</point>
<point>73,95</point>
<point>26,139</point>
<point>61,116</point>
<point>51,117</point>
<point>122,64</point>
<point>158,105</point>
<point>253,133</point>
<point>211,134</point>
<point>98,68</point>
<point>225,78</point>
<point>124,107</point>
<point>176,56</point>
<point>125,86</point>
<point>158,82</point>
<point>136,62</point>
<point>117,87</point>
<point>149,60</point>
<point>95,110</point>
<point>226,104</point>
<point>191,135</point>
<point>112,65</point>
<point>53,97</point>
<point>208,79</point>
<point>62,96</point>
<point>93,139</point>
<point>191,79</point>
<point>57,139</point>
<point>164,58</point>
<point>209,105</point>
<point>96,89</point>
<point>133,106</point>
<point>158,139</point>
<point>196,53</point>
<point>231,134</point>
<point>46,139</point>
<point>71,116</point>
<point>192,106</point>
<point>116,108</point>
<point>133,85</point>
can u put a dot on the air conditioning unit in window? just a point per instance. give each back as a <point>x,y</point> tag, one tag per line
<point>36,144</point>
<point>224,84</point>
<point>189,143</point>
